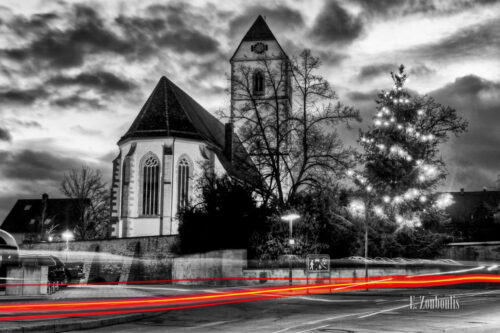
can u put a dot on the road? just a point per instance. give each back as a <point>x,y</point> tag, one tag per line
<point>385,312</point>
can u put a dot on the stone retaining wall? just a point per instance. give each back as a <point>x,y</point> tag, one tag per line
<point>112,260</point>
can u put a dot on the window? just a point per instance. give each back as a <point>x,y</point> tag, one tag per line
<point>183,182</point>
<point>258,83</point>
<point>27,207</point>
<point>150,179</point>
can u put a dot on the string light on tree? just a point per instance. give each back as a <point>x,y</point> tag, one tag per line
<point>401,164</point>
<point>400,143</point>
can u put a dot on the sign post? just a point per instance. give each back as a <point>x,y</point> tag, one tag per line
<point>317,263</point>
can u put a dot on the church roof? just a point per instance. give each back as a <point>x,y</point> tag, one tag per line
<point>167,112</point>
<point>170,112</point>
<point>259,31</point>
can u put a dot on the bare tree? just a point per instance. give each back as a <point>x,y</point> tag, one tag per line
<point>318,152</point>
<point>293,147</point>
<point>91,195</point>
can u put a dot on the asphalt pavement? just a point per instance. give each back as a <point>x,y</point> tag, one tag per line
<point>387,311</point>
<point>376,310</point>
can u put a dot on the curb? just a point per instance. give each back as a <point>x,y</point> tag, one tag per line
<point>57,325</point>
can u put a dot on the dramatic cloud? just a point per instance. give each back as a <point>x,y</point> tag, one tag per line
<point>104,81</point>
<point>474,156</point>
<point>280,17</point>
<point>421,70</point>
<point>335,24</point>
<point>5,135</point>
<point>86,131</point>
<point>478,40</point>
<point>62,48</point>
<point>188,41</point>
<point>169,26</point>
<point>180,38</point>
<point>24,26</point>
<point>358,96</point>
<point>387,8</point>
<point>25,123</point>
<point>88,33</point>
<point>371,72</point>
<point>35,165</point>
<point>20,96</point>
<point>82,103</point>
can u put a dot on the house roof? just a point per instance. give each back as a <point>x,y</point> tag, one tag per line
<point>466,202</point>
<point>170,112</point>
<point>25,216</point>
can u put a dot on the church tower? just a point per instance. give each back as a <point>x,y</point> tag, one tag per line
<point>261,98</point>
<point>258,56</point>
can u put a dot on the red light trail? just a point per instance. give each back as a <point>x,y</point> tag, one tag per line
<point>24,311</point>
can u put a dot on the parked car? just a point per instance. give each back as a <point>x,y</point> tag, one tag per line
<point>57,271</point>
<point>74,270</point>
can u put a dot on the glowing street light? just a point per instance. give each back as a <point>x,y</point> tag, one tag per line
<point>67,236</point>
<point>290,218</point>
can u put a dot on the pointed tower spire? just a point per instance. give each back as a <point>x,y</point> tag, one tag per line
<point>259,31</point>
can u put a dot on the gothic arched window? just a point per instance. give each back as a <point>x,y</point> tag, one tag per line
<point>183,182</point>
<point>150,180</point>
<point>258,83</point>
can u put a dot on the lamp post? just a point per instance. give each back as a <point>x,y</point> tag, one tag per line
<point>360,209</point>
<point>367,208</point>
<point>67,236</point>
<point>290,218</point>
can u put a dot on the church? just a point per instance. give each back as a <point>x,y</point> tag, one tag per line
<point>173,140</point>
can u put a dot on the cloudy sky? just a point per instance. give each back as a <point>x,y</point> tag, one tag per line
<point>73,75</point>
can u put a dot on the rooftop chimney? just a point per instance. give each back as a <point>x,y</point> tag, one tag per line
<point>462,191</point>
<point>228,141</point>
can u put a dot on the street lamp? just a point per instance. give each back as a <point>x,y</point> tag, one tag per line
<point>360,209</point>
<point>290,218</point>
<point>67,236</point>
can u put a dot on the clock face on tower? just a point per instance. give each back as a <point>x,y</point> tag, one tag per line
<point>259,47</point>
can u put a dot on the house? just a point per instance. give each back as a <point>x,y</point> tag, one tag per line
<point>24,220</point>
<point>475,216</point>
<point>174,139</point>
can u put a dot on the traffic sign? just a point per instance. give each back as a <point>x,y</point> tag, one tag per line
<point>317,263</point>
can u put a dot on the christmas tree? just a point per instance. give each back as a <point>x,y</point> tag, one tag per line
<point>402,165</point>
